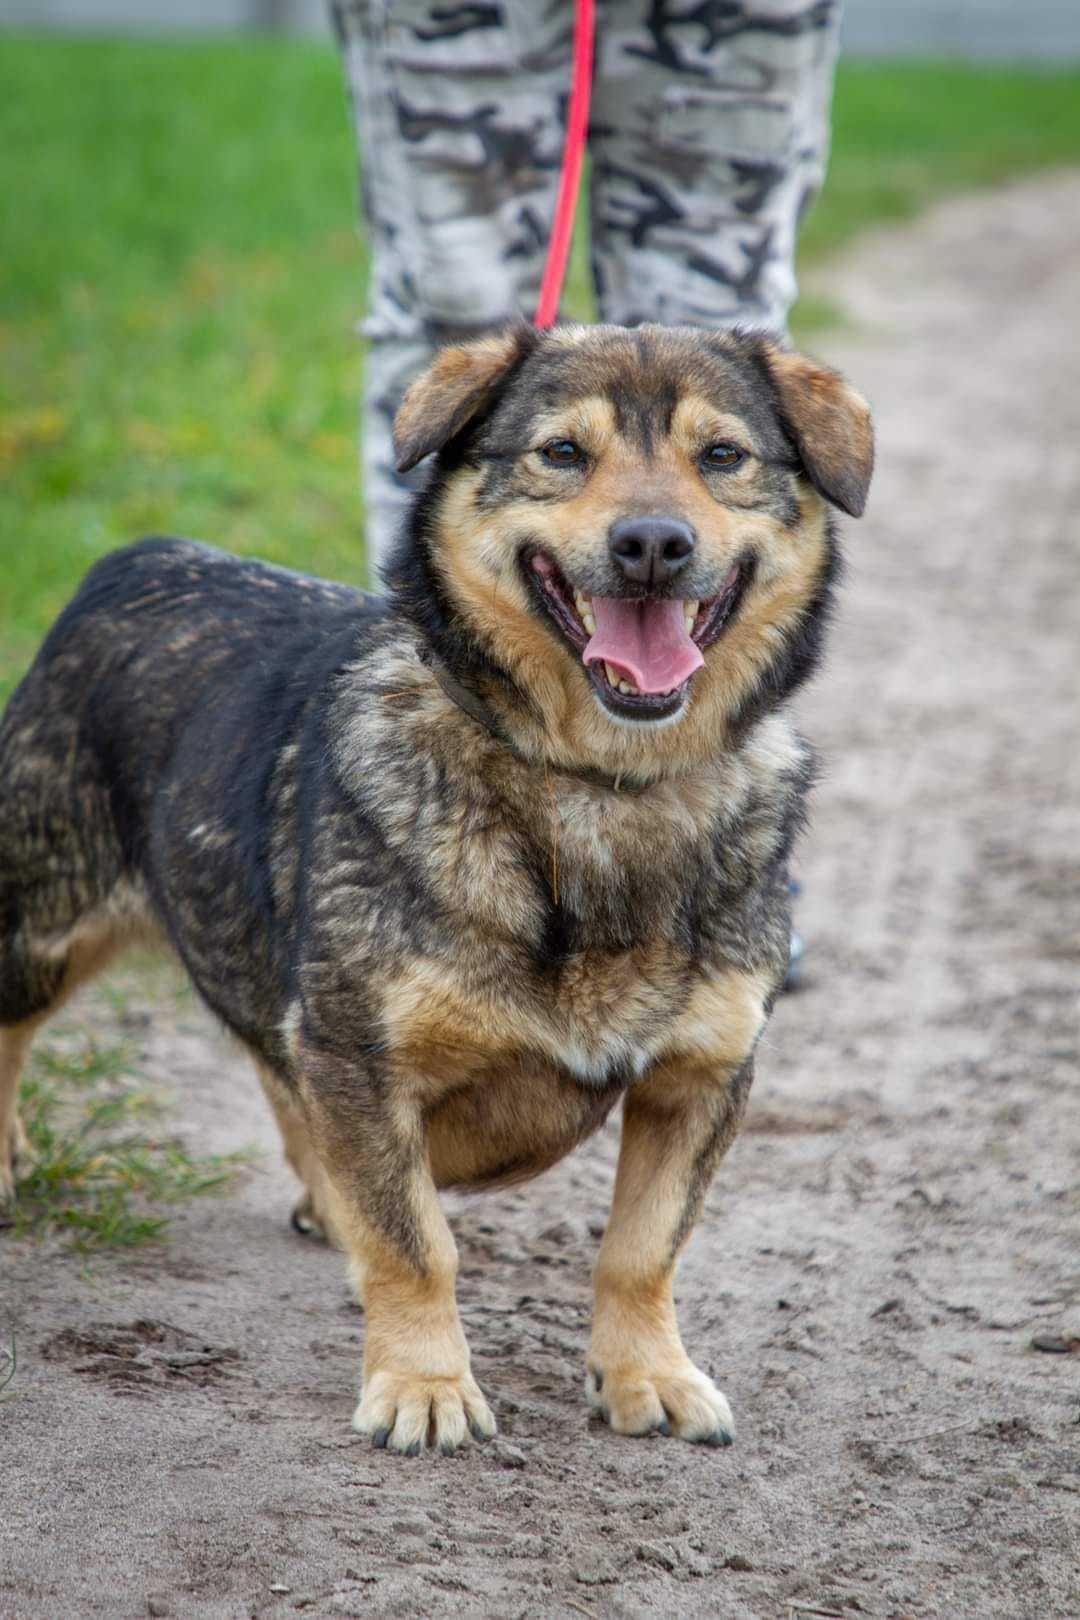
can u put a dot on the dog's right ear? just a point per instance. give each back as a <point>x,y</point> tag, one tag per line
<point>456,386</point>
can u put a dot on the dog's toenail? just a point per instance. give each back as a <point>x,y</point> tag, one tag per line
<point>380,1437</point>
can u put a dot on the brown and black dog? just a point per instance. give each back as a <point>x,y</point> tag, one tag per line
<point>467,865</point>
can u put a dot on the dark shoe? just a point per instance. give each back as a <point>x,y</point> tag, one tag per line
<point>793,976</point>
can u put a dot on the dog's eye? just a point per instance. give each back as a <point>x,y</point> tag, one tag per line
<point>724,456</point>
<point>563,453</point>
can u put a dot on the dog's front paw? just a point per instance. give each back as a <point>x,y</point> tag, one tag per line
<point>407,1412</point>
<point>636,1399</point>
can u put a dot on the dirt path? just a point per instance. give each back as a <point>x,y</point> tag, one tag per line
<point>878,1252</point>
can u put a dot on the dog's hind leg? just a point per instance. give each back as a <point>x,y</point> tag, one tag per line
<point>14,1149</point>
<point>311,1214</point>
<point>67,902</point>
<point>35,982</point>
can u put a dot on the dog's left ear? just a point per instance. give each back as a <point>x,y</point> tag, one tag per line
<point>830,424</point>
<point>456,386</point>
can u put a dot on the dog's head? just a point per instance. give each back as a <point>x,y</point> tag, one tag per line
<point>630,524</point>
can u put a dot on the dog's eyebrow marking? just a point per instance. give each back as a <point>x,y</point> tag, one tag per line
<point>591,419</point>
<point>696,422</point>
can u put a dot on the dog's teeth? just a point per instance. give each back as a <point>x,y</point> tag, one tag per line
<point>612,675</point>
<point>583,604</point>
<point>691,615</point>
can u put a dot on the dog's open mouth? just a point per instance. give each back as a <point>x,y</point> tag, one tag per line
<point>641,652</point>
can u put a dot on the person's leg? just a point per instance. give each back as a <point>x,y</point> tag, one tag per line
<point>458,115</point>
<point>710,136</point>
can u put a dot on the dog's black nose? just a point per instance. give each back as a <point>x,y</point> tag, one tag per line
<point>651,550</point>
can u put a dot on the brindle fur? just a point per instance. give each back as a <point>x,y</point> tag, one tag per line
<point>452,946</point>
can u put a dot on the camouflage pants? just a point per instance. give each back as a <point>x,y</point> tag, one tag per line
<point>708,137</point>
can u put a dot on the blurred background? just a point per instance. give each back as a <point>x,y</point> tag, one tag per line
<point>181,273</point>
<point>974,28</point>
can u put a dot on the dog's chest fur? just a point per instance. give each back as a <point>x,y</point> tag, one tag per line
<point>554,923</point>
<point>565,955</point>
<point>532,948</point>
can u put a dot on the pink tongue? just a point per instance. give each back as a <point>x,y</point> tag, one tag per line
<point>646,642</point>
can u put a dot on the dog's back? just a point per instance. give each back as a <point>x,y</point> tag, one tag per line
<point>165,642</point>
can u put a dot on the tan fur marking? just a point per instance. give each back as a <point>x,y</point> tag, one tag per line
<point>435,1031</point>
<point>696,423</point>
<point>832,427</point>
<point>719,1025</point>
<point>481,576</point>
<point>15,1043</point>
<point>590,422</point>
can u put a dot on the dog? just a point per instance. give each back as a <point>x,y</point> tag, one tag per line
<point>465,865</point>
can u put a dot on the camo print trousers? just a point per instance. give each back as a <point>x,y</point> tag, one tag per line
<point>708,138</point>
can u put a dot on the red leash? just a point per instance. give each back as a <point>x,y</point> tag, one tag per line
<point>577,127</point>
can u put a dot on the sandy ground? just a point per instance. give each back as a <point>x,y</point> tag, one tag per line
<point>880,1249</point>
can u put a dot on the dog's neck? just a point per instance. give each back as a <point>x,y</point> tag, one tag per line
<point>611,863</point>
<point>472,704</point>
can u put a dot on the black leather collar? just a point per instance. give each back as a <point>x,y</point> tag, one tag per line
<point>472,705</point>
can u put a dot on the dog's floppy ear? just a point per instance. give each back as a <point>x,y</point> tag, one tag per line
<point>459,383</point>
<point>830,424</point>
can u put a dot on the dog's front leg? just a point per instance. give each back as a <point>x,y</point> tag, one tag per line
<point>677,1124</point>
<point>418,1389</point>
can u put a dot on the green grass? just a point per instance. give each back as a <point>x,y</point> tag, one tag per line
<point>180,277</point>
<point>905,134</point>
<point>103,1165</point>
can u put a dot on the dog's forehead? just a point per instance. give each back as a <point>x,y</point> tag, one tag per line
<point>644,372</point>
